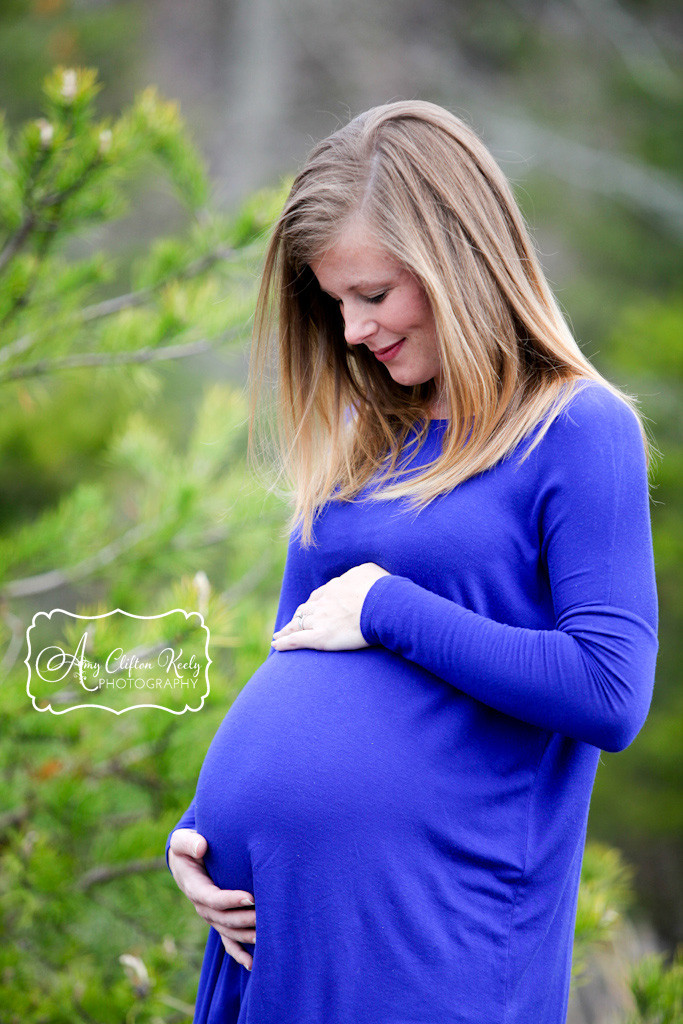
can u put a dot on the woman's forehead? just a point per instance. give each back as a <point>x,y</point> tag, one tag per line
<point>354,259</point>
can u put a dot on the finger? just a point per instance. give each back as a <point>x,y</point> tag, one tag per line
<point>293,641</point>
<point>188,842</point>
<point>295,634</point>
<point>189,874</point>
<point>232,929</point>
<point>293,626</point>
<point>192,878</point>
<point>298,639</point>
<point>284,630</point>
<point>306,609</point>
<point>227,919</point>
<point>234,950</point>
<point>236,934</point>
<point>205,892</point>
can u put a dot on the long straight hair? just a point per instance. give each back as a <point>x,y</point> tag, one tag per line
<point>436,201</point>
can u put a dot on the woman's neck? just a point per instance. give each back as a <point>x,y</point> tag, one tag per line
<point>439,411</point>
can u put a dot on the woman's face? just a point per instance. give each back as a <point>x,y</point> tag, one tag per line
<point>383,305</point>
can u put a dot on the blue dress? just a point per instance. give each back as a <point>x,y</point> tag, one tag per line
<point>411,816</point>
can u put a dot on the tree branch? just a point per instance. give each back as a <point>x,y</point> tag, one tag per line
<point>17,240</point>
<point>45,581</point>
<point>108,872</point>
<point>175,1004</point>
<point>135,923</point>
<point>31,220</point>
<point>129,300</point>
<point>250,580</point>
<point>17,634</point>
<point>21,299</point>
<point>121,761</point>
<point>17,347</point>
<point>163,353</point>
<point>58,198</point>
<point>139,297</point>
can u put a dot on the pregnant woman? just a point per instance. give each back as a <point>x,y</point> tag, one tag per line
<point>389,823</point>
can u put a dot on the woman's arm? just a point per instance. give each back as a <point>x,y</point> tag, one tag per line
<point>188,822</point>
<point>591,677</point>
<point>230,911</point>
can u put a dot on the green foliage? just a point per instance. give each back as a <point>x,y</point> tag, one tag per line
<point>130,510</point>
<point>59,175</point>
<point>658,990</point>
<point>637,798</point>
<point>66,168</point>
<point>604,896</point>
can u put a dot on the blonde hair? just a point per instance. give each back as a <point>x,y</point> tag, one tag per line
<point>438,203</point>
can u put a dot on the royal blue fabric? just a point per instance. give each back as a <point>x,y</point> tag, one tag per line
<point>411,816</point>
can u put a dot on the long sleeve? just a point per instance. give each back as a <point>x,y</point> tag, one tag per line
<point>187,821</point>
<point>591,677</point>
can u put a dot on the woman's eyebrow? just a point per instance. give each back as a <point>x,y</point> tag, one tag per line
<point>363,286</point>
<point>371,286</point>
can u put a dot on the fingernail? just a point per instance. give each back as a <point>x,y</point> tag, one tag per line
<point>196,848</point>
<point>247,903</point>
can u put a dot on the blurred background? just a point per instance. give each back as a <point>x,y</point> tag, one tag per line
<point>580,102</point>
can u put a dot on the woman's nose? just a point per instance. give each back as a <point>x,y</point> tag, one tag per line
<point>358,325</point>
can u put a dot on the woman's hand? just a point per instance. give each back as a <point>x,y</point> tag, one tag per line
<point>224,909</point>
<point>331,615</point>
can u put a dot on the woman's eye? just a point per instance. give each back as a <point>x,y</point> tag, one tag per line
<point>376,298</point>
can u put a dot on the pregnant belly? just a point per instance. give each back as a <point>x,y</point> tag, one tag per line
<point>326,750</point>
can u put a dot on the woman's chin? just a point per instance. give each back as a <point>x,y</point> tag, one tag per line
<point>407,378</point>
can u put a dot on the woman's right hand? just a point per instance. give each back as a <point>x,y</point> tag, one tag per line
<point>223,909</point>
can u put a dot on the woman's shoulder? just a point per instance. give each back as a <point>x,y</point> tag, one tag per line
<point>596,434</point>
<point>594,415</point>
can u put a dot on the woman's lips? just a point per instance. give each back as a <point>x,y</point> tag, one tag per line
<point>385,354</point>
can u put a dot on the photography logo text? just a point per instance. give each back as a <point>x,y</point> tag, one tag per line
<point>118,661</point>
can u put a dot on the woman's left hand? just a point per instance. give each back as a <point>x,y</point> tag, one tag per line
<point>331,615</point>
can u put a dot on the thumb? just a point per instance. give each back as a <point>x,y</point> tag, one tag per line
<point>189,842</point>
